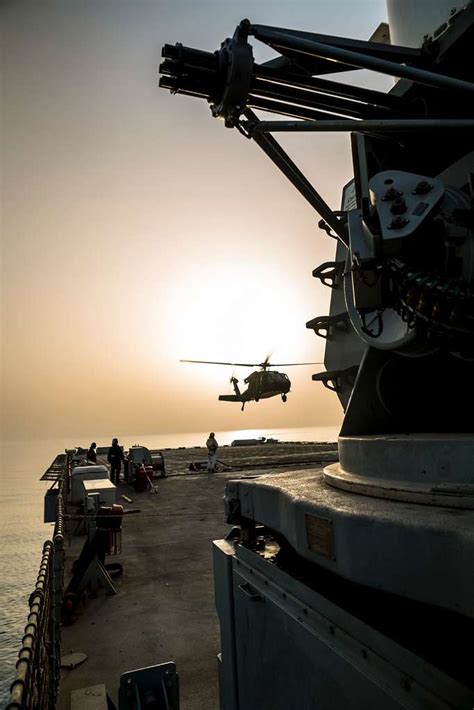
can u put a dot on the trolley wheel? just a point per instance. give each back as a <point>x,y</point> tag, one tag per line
<point>140,484</point>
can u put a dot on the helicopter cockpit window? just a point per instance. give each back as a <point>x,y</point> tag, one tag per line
<point>276,378</point>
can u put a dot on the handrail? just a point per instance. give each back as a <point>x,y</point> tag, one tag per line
<point>38,667</point>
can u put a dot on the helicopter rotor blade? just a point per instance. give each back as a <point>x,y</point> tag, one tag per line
<point>292,364</point>
<point>264,365</point>
<point>232,364</point>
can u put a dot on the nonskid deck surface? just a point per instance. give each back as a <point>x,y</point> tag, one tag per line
<point>164,609</point>
<point>242,458</point>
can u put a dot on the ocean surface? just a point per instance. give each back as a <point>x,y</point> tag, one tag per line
<point>22,531</point>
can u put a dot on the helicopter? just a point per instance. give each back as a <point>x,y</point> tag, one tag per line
<point>261,384</point>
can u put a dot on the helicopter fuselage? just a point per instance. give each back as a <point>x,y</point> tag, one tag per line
<point>260,385</point>
<point>266,383</point>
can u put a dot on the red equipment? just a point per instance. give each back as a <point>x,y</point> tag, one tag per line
<point>143,476</point>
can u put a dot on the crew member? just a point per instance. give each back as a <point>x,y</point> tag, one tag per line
<point>92,454</point>
<point>212,447</point>
<point>115,458</point>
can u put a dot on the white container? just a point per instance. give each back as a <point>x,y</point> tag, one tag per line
<point>411,20</point>
<point>105,488</point>
<point>85,473</point>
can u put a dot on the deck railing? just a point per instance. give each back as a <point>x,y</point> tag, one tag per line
<point>38,667</point>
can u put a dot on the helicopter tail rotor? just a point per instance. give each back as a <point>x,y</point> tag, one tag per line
<point>235,384</point>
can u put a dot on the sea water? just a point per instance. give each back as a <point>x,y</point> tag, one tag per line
<point>22,531</point>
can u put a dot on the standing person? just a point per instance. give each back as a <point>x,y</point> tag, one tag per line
<point>115,458</point>
<point>92,454</point>
<point>212,447</point>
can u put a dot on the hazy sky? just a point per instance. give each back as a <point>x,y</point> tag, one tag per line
<point>137,230</point>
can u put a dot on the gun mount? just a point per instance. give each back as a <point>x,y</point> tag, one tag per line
<point>406,224</point>
<point>376,530</point>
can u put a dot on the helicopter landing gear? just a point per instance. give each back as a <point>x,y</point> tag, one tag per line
<point>284,398</point>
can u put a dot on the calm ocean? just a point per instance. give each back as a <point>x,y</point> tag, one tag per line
<point>22,531</point>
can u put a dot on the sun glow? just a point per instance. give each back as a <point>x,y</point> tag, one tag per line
<point>237,312</point>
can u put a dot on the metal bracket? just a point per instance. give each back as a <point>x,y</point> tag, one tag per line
<point>335,380</point>
<point>249,592</point>
<point>330,273</point>
<point>153,687</point>
<point>324,325</point>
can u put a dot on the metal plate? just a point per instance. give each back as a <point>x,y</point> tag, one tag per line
<point>320,535</point>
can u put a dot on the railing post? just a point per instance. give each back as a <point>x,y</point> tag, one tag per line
<point>57,586</point>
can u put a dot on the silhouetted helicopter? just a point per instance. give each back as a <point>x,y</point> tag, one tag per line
<point>262,384</point>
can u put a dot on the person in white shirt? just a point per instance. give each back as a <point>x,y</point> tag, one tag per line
<point>212,447</point>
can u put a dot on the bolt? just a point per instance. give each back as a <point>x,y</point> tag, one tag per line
<point>391,194</point>
<point>422,188</point>
<point>399,206</point>
<point>398,223</point>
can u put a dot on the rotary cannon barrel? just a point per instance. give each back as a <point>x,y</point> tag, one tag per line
<point>231,81</point>
<point>190,71</point>
<point>204,75</point>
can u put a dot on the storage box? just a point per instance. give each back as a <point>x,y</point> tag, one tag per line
<point>105,488</point>
<point>50,505</point>
<point>85,473</point>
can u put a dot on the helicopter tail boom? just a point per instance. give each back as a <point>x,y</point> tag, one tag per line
<point>237,397</point>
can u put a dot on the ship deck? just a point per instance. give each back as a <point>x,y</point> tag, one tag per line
<point>164,608</point>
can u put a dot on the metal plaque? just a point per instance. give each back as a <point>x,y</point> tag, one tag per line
<point>320,535</point>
